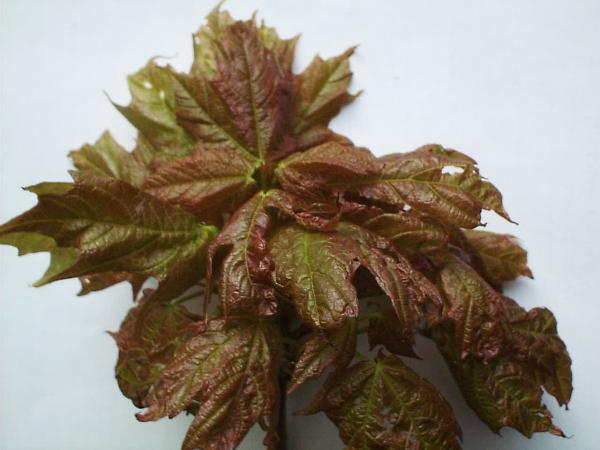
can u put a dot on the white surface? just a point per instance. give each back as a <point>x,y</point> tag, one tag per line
<point>514,84</point>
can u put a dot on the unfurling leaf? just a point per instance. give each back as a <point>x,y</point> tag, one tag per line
<point>535,337</point>
<point>238,188</point>
<point>476,310</point>
<point>244,281</point>
<point>147,341</point>
<point>382,404</point>
<point>503,258</point>
<point>231,372</point>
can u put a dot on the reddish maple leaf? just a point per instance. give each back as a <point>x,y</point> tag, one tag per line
<point>238,189</point>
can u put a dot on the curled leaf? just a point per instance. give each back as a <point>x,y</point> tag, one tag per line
<point>315,269</point>
<point>147,340</point>
<point>476,310</point>
<point>245,278</point>
<point>415,299</point>
<point>323,167</point>
<point>503,258</point>
<point>535,338</point>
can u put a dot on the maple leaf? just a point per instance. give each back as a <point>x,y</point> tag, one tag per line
<point>232,374</point>
<point>416,179</point>
<point>99,281</point>
<point>106,158</point>
<point>246,269</point>
<point>245,279</point>
<point>320,92</point>
<point>502,257</point>
<point>315,269</point>
<point>535,337</point>
<point>323,350</point>
<point>310,172</point>
<point>503,392</point>
<point>383,404</point>
<point>100,231</point>
<point>409,232</point>
<point>147,340</point>
<point>213,179</point>
<point>476,310</point>
<point>238,189</point>
<point>151,111</point>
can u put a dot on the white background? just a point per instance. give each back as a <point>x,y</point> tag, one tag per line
<point>514,84</point>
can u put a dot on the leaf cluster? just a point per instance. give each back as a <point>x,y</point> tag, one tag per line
<point>239,196</point>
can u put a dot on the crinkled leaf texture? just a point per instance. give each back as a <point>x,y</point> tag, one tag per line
<point>237,190</point>
<point>383,404</point>
<point>231,371</point>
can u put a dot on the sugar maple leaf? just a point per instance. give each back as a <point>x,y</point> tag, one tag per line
<point>237,189</point>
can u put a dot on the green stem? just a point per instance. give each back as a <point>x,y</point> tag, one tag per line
<point>362,357</point>
<point>185,298</point>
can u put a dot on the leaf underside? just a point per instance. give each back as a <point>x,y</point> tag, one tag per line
<point>240,196</point>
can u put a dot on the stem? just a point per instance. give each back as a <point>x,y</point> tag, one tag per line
<point>188,297</point>
<point>289,348</point>
<point>282,419</point>
<point>362,357</point>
